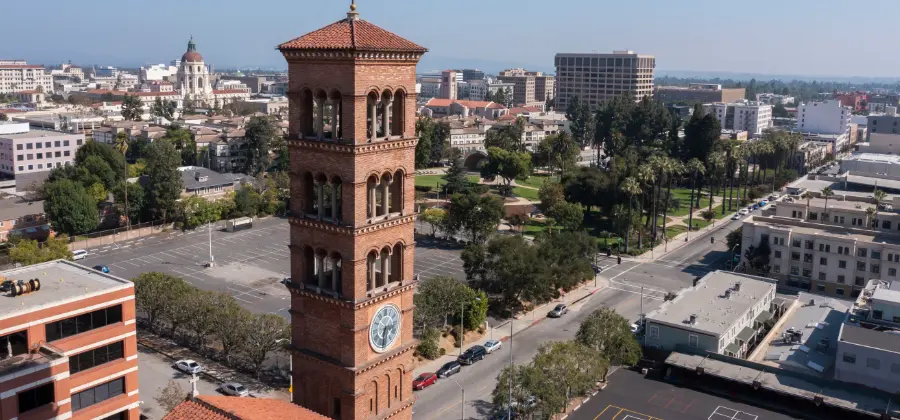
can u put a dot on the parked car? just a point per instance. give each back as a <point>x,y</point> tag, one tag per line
<point>234,389</point>
<point>472,355</point>
<point>424,380</point>
<point>101,268</point>
<point>188,366</point>
<point>449,369</point>
<point>79,254</point>
<point>6,286</point>
<point>558,311</point>
<point>744,212</point>
<point>737,216</point>
<point>492,346</point>
<point>756,207</point>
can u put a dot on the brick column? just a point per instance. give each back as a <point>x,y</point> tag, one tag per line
<point>386,118</point>
<point>373,205</point>
<point>334,201</point>
<point>385,197</point>
<point>334,274</point>
<point>372,275</point>
<point>373,123</point>
<point>320,119</point>
<point>334,119</point>
<point>320,199</point>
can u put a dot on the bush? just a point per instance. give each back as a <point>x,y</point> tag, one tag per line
<point>428,347</point>
<point>505,190</point>
<point>424,188</point>
<point>481,189</point>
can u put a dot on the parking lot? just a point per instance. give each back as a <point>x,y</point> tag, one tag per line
<point>629,396</point>
<point>155,373</point>
<point>438,258</point>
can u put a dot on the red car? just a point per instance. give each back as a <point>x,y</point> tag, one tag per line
<point>424,380</point>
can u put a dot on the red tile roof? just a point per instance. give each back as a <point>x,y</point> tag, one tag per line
<point>10,111</point>
<point>152,93</point>
<point>209,407</point>
<point>439,102</point>
<point>352,34</point>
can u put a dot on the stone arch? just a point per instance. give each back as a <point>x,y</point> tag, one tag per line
<point>396,273</point>
<point>371,262</point>
<point>388,383</point>
<point>475,160</point>
<point>398,387</point>
<point>398,122</point>
<point>336,108</point>
<point>306,112</point>
<point>372,392</point>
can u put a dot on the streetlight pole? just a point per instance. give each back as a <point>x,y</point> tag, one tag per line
<point>211,258</point>
<point>509,377</point>
<point>462,402</point>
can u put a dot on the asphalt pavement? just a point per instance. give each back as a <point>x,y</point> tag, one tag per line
<point>154,373</point>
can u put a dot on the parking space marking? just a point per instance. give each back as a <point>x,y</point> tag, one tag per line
<point>723,413</point>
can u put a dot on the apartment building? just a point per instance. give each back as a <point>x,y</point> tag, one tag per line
<point>883,123</point>
<point>810,155</point>
<point>723,313</point>
<point>18,76</point>
<point>544,88</point>
<point>594,78</point>
<point>523,85</point>
<point>828,117</point>
<point>68,348</point>
<point>774,99</point>
<point>698,93</point>
<point>868,346</point>
<point>753,117</point>
<point>27,155</point>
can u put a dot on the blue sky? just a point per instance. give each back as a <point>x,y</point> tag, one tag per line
<point>797,37</point>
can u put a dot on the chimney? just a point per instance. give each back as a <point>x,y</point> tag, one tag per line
<point>737,286</point>
<point>728,294</point>
<point>693,319</point>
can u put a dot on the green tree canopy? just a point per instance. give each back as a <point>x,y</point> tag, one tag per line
<point>261,134</point>
<point>455,178</point>
<point>114,159</point>
<point>609,335</point>
<point>164,184</point>
<point>477,216</point>
<point>29,251</point>
<point>509,165</point>
<point>70,208</point>
<point>132,108</point>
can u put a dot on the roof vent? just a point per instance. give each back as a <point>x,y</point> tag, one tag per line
<point>693,319</point>
<point>200,177</point>
<point>737,286</point>
<point>728,294</point>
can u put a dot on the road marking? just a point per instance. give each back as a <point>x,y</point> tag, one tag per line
<point>629,269</point>
<point>636,293</point>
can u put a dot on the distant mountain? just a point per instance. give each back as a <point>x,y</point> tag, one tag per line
<point>704,74</point>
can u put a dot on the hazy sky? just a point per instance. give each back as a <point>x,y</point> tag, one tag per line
<point>805,37</point>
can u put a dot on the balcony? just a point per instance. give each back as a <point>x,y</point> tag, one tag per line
<point>30,362</point>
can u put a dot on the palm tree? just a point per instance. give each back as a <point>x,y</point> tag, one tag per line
<point>826,192</point>
<point>764,148</point>
<point>696,166</point>
<point>646,175</point>
<point>869,213</point>
<point>879,195</point>
<point>673,168</point>
<point>122,147</point>
<point>631,187</point>
<point>808,196</point>
<point>658,165</point>
<point>715,161</point>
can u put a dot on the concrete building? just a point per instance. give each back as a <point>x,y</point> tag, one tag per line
<point>774,99</point>
<point>810,155</point>
<point>17,76</point>
<point>881,143</point>
<point>722,314</point>
<point>254,83</point>
<point>852,99</point>
<point>544,88</point>
<point>73,345</point>
<point>827,117</point>
<point>523,85</point>
<point>752,117</point>
<point>880,102</point>
<point>594,78</point>
<point>448,85</point>
<point>469,75</point>
<point>868,347</point>
<point>507,88</point>
<point>105,71</point>
<point>883,123</point>
<point>27,155</point>
<point>698,93</point>
<point>445,107</point>
<point>430,87</point>
<point>158,72</point>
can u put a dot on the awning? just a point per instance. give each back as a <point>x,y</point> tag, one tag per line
<point>733,348</point>
<point>746,334</point>
<point>763,317</point>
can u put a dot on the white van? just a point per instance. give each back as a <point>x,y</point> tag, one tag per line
<point>79,254</point>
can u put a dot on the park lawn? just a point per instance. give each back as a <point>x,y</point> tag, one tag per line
<point>434,180</point>
<point>673,231</point>
<point>535,181</point>
<point>533,227</point>
<point>526,193</point>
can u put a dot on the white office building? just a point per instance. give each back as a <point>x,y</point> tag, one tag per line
<point>868,347</point>
<point>157,72</point>
<point>827,117</point>
<point>752,117</point>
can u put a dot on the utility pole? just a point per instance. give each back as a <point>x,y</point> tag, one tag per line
<point>462,332</point>
<point>509,405</point>
<point>211,258</point>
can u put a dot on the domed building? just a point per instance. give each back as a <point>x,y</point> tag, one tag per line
<point>194,81</point>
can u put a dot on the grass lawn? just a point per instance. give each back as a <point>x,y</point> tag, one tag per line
<point>526,193</point>
<point>533,227</point>
<point>673,231</point>
<point>433,180</point>
<point>536,181</point>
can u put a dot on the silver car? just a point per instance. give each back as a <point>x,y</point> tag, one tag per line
<point>492,346</point>
<point>234,389</point>
<point>558,311</point>
<point>188,366</point>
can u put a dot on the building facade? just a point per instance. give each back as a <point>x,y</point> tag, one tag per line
<point>18,75</point>
<point>827,117</point>
<point>469,75</point>
<point>73,344</point>
<point>530,88</point>
<point>28,155</point>
<point>698,93</point>
<point>883,123</point>
<point>594,78</point>
<point>352,243</point>
<point>868,347</point>
<point>752,117</point>
<point>448,85</point>
<point>774,99</point>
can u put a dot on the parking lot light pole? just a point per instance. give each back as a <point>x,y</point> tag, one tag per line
<point>462,402</point>
<point>209,229</point>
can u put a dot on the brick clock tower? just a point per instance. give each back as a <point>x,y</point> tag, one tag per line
<point>352,152</point>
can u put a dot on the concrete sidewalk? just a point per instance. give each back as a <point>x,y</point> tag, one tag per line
<point>522,322</point>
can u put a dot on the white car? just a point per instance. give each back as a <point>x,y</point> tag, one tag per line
<point>744,212</point>
<point>736,217</point>
<point>234,389</point>
<point>188,366</point>
<point>492,345</point>
<point>79,254</point>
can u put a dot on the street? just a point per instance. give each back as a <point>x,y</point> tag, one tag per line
<point>155,373</point>
<point>674,271</point>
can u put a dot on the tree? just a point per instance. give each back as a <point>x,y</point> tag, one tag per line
<point>509,270</point>
<point>879,196</point>
<point>827,192</point>
<point>197,211</point>
<point>630,187</point>
<point>561,151</point>
<point>609,334</point>
<point>136,199</point>
<point>476,215</point>
<point>97,192</point>
<point>779,111</point>
<point>170,396</point>
<point>734,239</point>
<point>807,196</point>
<point>441,298</point>
<point>455,178</point>
<point>429,347</point>
<point>509,165</point>
<point>246,202</point>
<point>114,159</point>
<point>568,215</point>
<point>758,258</point>
<point>206,315</point>
<point>164,184</point>
<point>70,208</point>
<point>566,258</point>
<point>708,215</point>
<point>587,186</point>
<point>162,110</point>
<point>440,144</point>
<point>265,334</point>
<point>28,251</point>
<point>515,382</point>
<point>435,217</point>
<point>425,127</point>
<point>567,369</point>
<point>475,309</point>
<point>3,117</point>
<point>154,292</point>
<point>132,108</point>
<point>260,134</point>
<point>550,194</point>
<point>188,106</point>
<point>701,133</point>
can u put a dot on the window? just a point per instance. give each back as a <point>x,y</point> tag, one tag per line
<point>47,144</point>
<point>849,358</point>
<point>777,254</point>
<point>861,266</point>
<point>842,264</point>
<point>56,143</point>
<point>877,314</point>
<point>78,142</point>
<point>873,363</point>
<point>820,287</point>
<point>29,156</point>
<point>823,261</point>
<point>860,281</point>
<point>807,272</point>
<point>813,216</point>
<point>21,168</point>
<point>18,147</point>
<point>30,167</point>
<point>38,145</point>
<point>84,322</point>
<point>861,252</point>
<point>17,341</point>
<point>336,411</point>
<point>35,397</point>
<point>654,331</point>
<point>40,155</point>
<point>795,256</point>
<point>841,279</point>
<point>795,270</point>
<point>822,276</point>
<point>40,166</point>
<point>885,224</point>
<point>795,243</point>
<point>29,146</point>
<point>20,157</point>
<point>98,394</point>
<point>807,258</point>
<point>96,357</point>
<point>809,244</point>
<point>876,255</point>
<point>57,154</point>
<point>66,153</point>
<point>876,268</point>
<point>892,272</point>
<point>839,292</point>
<point>65,142</point>
<point>693,341</point>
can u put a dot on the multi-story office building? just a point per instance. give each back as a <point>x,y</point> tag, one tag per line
<point>106,71</point>
<point>469,75</point>
<point>868,347</point>
<point>544,88</point>
<point>752,117</point>
<point>448,85</point>
<point>157,72</point>
<point>430,87</point>
<point>523,85</point>
<point>507,89</point>
<point>68,347</point>
<point>28,155</point>
<point>827,117</point>
<point>18,76</point>
<point>597,77</point>
<point>698,93</point>
<point>887,123</point>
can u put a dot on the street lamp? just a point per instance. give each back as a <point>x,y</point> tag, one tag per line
<point>462,402</point>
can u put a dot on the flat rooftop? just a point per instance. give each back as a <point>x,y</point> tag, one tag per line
<point>37,133</point>
<point>819,322</point>
<point>874,157</point>
<point>835,232</point>
<point>715,313</point>
<point>61,282</point>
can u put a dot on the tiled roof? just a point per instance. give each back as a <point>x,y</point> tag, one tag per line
<point>209,407</point>
<point>352,34</point>
<point>154,93</point>
<point>439,102</point>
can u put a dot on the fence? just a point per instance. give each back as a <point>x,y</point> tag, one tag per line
<point>111,236</point>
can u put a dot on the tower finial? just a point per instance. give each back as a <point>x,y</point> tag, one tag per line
<point>352,5</point>
<point>353,14</point>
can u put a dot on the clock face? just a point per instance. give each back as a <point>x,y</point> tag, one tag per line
<point>385,328</point>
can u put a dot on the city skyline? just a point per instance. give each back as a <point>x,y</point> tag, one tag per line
<point>779,41</point>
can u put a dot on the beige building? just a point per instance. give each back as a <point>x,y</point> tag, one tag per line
<point>17,76</point>
<point>530,88</point>
<point>448,84</point>
<point>698,93</point>
<point>597,77</point>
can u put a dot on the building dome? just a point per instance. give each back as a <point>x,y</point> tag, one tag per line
<point>192,56</point>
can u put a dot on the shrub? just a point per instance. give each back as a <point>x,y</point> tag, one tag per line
<point>428,347</point>
<point>424,188</point>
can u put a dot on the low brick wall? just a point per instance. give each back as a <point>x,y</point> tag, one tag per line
<point>119,237</point>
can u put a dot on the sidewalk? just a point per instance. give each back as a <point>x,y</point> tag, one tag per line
<point>524,321</point>
<point>213,370</point>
